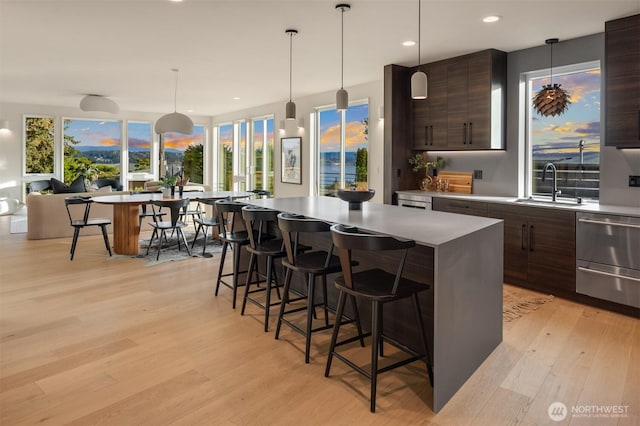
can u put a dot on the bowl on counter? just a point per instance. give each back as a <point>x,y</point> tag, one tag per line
<point>355,198</point>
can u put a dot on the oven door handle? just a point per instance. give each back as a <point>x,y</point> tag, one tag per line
<point>609,274</point>
<point>600,222</point>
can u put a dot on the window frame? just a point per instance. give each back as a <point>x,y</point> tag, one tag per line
<point>56,149</point>
<point>528,115</point>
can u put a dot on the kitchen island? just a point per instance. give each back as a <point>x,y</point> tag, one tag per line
<point>459,257</point>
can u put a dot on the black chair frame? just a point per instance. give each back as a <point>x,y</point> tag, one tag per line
<point>203,223</point>
<point>78,224</point>
<point>311,265</point>
<point>373,286</point>
<point>262,243</point>
<point>175,207</point>
<point>232,238</point>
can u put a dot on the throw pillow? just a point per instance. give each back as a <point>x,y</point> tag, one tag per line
<point>60,187</point>
<point>105,189</point>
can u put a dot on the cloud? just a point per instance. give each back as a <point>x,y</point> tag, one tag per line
<point>182,142</point>
<point>139,143</point>
<point>109,142</point>
<point>591,128</point>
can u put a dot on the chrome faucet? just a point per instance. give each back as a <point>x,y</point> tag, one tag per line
<point>554,175</point>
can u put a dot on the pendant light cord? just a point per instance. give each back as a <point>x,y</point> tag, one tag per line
<point>419,15</point>
<point>175,93</point>
<point>342,51</point>
<point>290,63</point>
<point>551,66</point>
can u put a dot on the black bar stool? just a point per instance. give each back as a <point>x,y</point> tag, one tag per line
<point>262,243</point>
<point>377,287</point>
<point>232,237</point>
<point>311,264</point>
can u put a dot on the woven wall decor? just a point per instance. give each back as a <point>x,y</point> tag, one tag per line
<point>552,99</point>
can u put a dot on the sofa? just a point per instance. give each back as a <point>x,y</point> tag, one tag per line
<point>47,215</point>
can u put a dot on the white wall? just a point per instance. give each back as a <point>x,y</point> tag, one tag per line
<point>373,92</point>
<point>11,150</point>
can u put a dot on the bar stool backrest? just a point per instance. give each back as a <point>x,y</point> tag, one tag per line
<point>292,226</point>
<point>258,219</point>
<point>227,208</point>
<point>347,239</point>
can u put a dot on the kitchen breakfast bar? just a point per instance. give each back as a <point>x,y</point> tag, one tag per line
<point>460,257</point>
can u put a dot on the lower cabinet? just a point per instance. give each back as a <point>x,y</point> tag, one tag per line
<point>539,247</point>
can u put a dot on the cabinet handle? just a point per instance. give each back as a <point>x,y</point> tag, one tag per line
<point>531,238</point>
<point>470,133</point>
<point>522,232</point>
<point>431,134</point>
<point>609,274</point>
<point>464,134</point>
<point>639,124</point>
<point>602,222</point>
<point>426,135</point>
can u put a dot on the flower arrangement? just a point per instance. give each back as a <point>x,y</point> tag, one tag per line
<point>419,161</point>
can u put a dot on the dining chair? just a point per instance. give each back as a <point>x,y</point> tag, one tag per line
<point>378,287</point>
<point>203,223</point>
<point>160,228</point>
<point>79,210</point>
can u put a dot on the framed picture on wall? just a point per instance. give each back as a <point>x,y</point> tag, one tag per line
<point>291,158</point>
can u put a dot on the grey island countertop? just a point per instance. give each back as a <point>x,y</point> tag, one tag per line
<point>429,228</point>
<point>459,257</point>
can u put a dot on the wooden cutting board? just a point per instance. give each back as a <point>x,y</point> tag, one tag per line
<point>461,182</point>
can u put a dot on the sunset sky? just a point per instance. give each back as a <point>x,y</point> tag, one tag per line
<point>330,129</point>
<point>106,134</point>
<point>561,134</point>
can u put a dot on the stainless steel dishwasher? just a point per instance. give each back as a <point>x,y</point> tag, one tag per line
<point>608,257</point>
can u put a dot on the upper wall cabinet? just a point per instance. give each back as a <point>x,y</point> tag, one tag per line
<point>465,109</point>
<point>622,79</point>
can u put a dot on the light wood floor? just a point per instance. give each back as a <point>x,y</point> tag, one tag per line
<point>110,341</point>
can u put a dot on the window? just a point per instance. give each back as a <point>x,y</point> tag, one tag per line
<point>39,145</point>
<point>262,154</point>
<point>184,154</point>
<point>242,155</point>
<point>139,144</point>
<point>225,157</point>
<point>570,141</point>
<point>91,149</point>
<point>342,148</point>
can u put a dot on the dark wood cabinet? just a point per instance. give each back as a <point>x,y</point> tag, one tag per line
<point>450,205</point>
<point>539,247</point>
<point>465,107</point>
<point>622,82</point>
<point>430,115</point>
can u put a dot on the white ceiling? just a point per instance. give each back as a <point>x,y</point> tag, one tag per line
<point>52,51</point>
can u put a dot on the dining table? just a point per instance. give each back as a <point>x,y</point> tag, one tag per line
<point>126,208</point>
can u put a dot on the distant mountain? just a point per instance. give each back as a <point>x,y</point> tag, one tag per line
<point>85,148</point>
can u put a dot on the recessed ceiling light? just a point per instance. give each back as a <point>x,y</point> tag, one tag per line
<point>409,43</point>
<point>236,98</point>
<point>176,1</point>
<point>491,18</point>
<point>189,110</point>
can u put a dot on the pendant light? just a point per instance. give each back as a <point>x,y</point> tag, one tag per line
<point>174,122</point>
<point>290,109</point>
<point>342,97</point>
<point>419,78</point>
<point>99,103</point>
<point>551,99</point>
